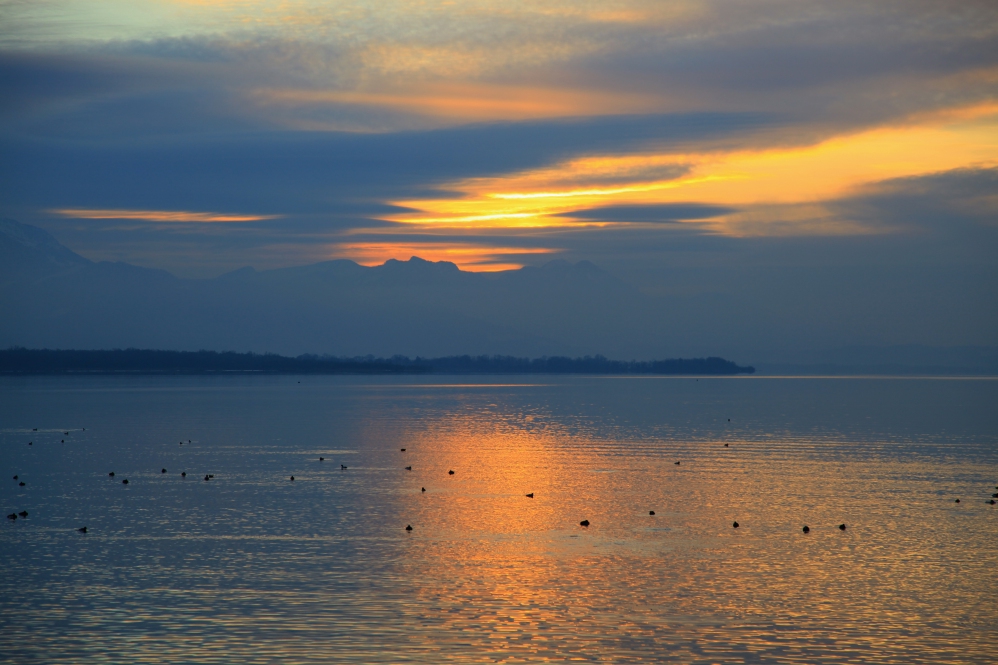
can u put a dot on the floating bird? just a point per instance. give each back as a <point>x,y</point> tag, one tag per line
<point>408,527</point>
<point>82,529</point>
<point>34,429</point>
<point>994,496</point>
<point>729,420</point>
<point>211,475</point>
<point>21,484</point>
<point>181,443</point>
<point>735,525</point>
<point>450,473</point>
<point>677,463</point>
<point>725,445</point>
<point>15,477</point>
<point>31,443</point>
<point>992,502</point>
<point>62,440</point>
<point>206,477</point>
<point>292,478</point>
<point>23,513</point>
<point>806,529</point>
<point>651,512</point>
<point>958,501</point>
<point>162,470</point>
<point>584,523</point>
<point>125,481</point>
<point>12,516</point>
<point>842,527</point>
<point>531,495</point>
<point>402,449</point>
<point>322,459</point>
<point>408,468</point>
<point>183,474</point>
<point>66,433</point>
<point>343,466</point>
<point>422,489</point>
<point>111,475</point>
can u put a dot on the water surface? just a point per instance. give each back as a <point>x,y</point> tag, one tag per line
<point>253,567</point>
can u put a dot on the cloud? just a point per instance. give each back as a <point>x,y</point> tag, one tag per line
<point>184,216</point>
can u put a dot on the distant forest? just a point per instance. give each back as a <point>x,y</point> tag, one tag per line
<point>145,361</point>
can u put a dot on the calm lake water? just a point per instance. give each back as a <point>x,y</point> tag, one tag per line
<point>252,567</point>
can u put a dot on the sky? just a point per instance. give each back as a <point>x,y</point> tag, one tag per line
<point>848,150</point>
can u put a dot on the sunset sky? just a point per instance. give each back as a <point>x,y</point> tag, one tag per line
<point>200,136</point>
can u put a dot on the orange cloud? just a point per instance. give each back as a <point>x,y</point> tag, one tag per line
<point>785,185</point>
<point>469,101</point>
<point>160,215</point>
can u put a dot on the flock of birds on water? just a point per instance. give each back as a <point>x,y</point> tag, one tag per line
<point>208,476</point>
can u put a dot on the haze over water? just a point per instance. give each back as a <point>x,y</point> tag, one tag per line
<point>252,567</point>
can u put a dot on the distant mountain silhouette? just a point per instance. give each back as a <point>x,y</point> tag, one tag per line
<point>55,298</point>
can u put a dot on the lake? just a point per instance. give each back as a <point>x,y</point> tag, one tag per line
<point>252,567</point>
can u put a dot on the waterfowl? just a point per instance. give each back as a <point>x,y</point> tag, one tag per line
<point>66,433</point>
<point>343,466</point>
<point>842,527</point>
<point>725,445</point>
<point>402,449</point>
<point>15,477</point>
<point>584,523</point>
<point>677,463</point>
<point>408,527</point>
<point>211,475</point>
<point>183,474</point>
<point>450,473</point>
<point>651,512</point>
<point>994,496</point>
<point>735,525</point>
<point>408,468</point>
<point>34,429</point>
<point>12,516</point>
<point>125,481</point>
<point>111,475</point>
<point>322,459</point>
<point>21,484</point>
<point>958,501</point>
<point>23,513</point>
<point>531,495</point>
<point>31,443</point>
<point>992,502</point>
<point>162,471</point>
<point>82,529</point>
<point>206,477</point>
<point>422,489</point>
<point>806,529</point>
<point>292,478</point>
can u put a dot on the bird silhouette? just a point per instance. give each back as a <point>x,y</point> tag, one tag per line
<point>292,478</point>
<point>163,471</point>
<point>82,529</point>
<point>12,516</point>
<point>842,527</point>
<point>23,513</point>
<point>531,495</point>
<point>450,473</point>
<point>111,475</point>
<point>343,466</point>
<point>408,468</point>
<point>651,512</point>
<point>735,525</point>
<point>322,459</point>
<point>125,481</point>
<point>402,449</point>
<point>183,474</point>
<point>408,527</point>
<point>422,489</point>
<point>584,523</point>
<point>15,477</point>
<point>806,529</point>
<point>21,484</point>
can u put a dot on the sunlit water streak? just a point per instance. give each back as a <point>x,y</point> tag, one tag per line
<point>252,567</point>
